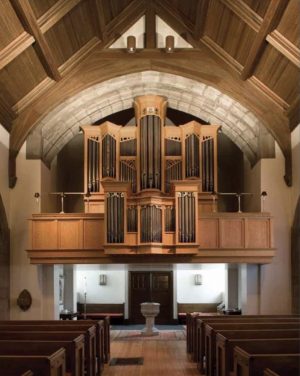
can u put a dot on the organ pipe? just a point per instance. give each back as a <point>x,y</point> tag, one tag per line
<point>207,157</point>
<point>186,217</point>
<point>115,217</point>
<point>93,165</point>
<point>151,224</point>
<point>173,172</point>
<point>108,157</point>
<point>128,173</point>
<point>192,156</point>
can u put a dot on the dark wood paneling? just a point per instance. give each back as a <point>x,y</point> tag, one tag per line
<point>187,8</point>
<point>10,26</point>
<point>289,25</point>
<point>230,32</point>
<point>113,7</point>
<point>40,7</point>
<point>71,33</point>
<point>259,6</point>
<point>279,74</point>
<point>22,75</point>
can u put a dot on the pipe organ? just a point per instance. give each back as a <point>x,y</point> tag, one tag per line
<point>150,180</point>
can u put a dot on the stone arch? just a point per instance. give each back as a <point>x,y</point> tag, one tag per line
<point>295,260</point>
<point>4,264</point>
<point>100,100</point>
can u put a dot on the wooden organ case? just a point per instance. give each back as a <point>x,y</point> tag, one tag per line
<point>150,180</point>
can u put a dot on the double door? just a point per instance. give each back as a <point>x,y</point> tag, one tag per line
<point>151,287</point>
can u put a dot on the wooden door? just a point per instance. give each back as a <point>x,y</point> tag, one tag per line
<point>151,287</point>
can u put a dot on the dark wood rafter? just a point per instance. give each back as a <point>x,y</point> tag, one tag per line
<point>150,27</point>
<point>284,46</point>
<point>270,21</point>
<point>27,18</point>
<point>56,13</point>
<point>99,11</point>
<point>97,18</point>
<point>180,24</point>
<point>123,21</point>
<point>7,115</point>
<point>202,9</point>
<point>293,113</point>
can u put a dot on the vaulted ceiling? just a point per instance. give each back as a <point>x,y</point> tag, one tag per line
<point>53,50</point>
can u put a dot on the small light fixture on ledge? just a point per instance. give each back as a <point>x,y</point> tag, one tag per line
<point>198,279</point>
<point>263,197</point>
<point>131,44</point>
<point>103,279</point>
<point>169,44</point>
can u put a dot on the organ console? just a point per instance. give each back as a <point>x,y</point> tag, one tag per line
<point>150,180</point>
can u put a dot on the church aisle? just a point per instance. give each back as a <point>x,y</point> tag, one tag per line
<point>163,355</point>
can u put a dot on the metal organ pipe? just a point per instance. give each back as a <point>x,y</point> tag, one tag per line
<point>93,184</point>
<point>109,156</point>
<point>186,217</point>
<point>115,217</point>
<point>151,224</point>
<point>208,164</point>
<point>150,152</point>
<point>192,156</point>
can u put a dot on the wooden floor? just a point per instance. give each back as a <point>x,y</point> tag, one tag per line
<point>162,356</point>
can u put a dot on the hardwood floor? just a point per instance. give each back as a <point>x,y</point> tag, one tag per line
<point>162,356</point>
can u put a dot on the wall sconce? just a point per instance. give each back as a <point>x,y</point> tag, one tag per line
<point>103,279</point>
<point>131,44</point>
<point>169,44</point>
<point>198,279</point>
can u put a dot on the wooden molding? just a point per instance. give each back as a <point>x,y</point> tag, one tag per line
<point>293,113</point>
<point>55,13</point>
<point>201,15</point>
<point>270,21</point>
<point>269,93</point>
<point>15,48</point>
<point>178,22</point>
<point>245,13</point>
<point>27,18</point>
<point>150,28</point>
<point>228,59</point>
<point>78,56</point>
<point>32,95</point>
<point>284,46</point>
<point>123,21</point>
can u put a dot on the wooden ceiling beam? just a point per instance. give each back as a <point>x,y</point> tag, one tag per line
<point>7,115</point>
<point>245,13</point>
<point>285,47</point>
<point>270,21</point>
<point>150,27</point>
<point>56,13</point>
<point>123,21</point>
<point>202,9</point>
<point>97,16</point>
<point>293,113</point>
<point>15,48</point>
<point>166,11</point>
<point>28,20</point>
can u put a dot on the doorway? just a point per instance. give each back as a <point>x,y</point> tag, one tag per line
<point>151,287</point>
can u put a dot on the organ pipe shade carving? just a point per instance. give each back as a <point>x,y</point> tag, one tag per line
<point>115,217</point>
<point>128,173</point>
<point>150,150</point>
<point>186,217</point>
<point>132,225</point>
<point>192,162</point>
<point>207,158</point>
<point>151,224</point>
<point>173,172</point>
<point>170,219</point>
<point>108,157</point>
<point>93,165</point>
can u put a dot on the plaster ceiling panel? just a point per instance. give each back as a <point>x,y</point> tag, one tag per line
<point>113,7</point>
<point>21,75</point>
<point>10,26</point>
<point>289,25</point>
<point>230,32</point>
<point>259,6</point>
<point>279,74</point>
<point>187,8</point>
<point>40,7</point>
<point>71,33</point>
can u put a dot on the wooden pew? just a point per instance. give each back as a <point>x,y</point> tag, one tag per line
<point>102,333</point>
<point>46,365</point>
<point>211,328</point>
<point>250,362</point>
<point>199,343</point>
<point>88,332</point>
<point>74,351</point>
<point>20,372</point>
<point>225,345</point>
<point>288,369</point>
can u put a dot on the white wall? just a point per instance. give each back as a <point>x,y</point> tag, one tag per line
<point>4,148</point>
<point>113,292</point>
<point>40,281</point>
<point>212,288</point>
